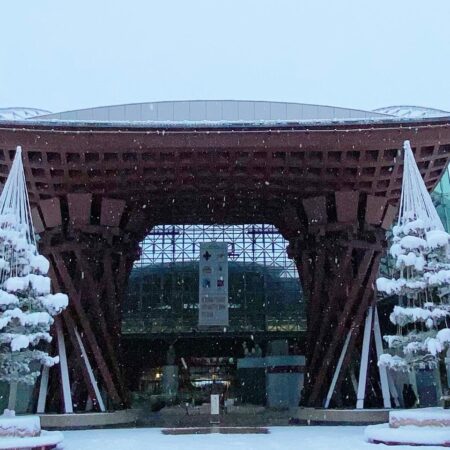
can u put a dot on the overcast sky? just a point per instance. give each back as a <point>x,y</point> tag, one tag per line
<point>61,55</point>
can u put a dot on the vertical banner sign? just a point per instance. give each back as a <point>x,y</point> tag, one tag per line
<point>213,284</point>
<point>215,405</point>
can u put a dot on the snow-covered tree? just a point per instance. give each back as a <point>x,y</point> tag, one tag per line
<point>421,279</point>
<point>27,306</point>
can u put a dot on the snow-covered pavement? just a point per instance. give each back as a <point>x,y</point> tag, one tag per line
<point>280,438</point>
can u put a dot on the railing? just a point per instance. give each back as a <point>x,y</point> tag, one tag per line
<point>239,322</point>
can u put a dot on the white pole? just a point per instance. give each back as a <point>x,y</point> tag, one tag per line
<point>90,372</point>
<point>64,369</point>
<point>354,381</point>
<point>338,369</point>
<point>393,389</point>
<point>364,360</point>
<point>42,399</point>
<point>89,404</point>
<point>382,369</point>
<point>12,395</point>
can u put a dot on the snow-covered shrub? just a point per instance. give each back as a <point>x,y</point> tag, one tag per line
<point>26,305</point>
<point>421,279</point>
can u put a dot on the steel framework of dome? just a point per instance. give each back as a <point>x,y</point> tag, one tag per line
<point>331,189</point>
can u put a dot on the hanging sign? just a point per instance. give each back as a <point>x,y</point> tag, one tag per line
<point>213,284</point>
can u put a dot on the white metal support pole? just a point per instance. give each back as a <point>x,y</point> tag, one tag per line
<point>393,390</point>
<point>447,365</point>
<point>338,369</point>
<point>90,372</point>
<point>89,404</point>
<point>382,369</point>
<point>12,395</point>
<point>354,380</point>
<point>413,381</point>
<point>63,367</point>
<point>364,360</point>
<point>42,399</point>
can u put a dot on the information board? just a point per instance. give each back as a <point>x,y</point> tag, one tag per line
<point>213,284</point>
<point>215,404</point>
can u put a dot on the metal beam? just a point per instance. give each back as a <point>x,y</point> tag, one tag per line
<point>42,398</point>
<point>12,395</point>
<point>364,359</point>
<point>63,367</point>
<point>382,369</point>
<point>84,355</point>
<point>338,369</point>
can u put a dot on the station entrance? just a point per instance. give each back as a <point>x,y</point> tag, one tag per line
<point>98,189</point>
<point>256,357</point>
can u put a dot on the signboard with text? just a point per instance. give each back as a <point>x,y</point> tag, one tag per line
<point>213,284</point>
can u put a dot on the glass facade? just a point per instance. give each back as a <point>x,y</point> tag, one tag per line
<point>264,286</point>
<point>441,199</point>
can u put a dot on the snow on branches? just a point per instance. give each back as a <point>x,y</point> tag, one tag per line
<point>27,306</point>
<point>421,279</point>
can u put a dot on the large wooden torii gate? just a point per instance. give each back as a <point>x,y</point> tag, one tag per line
<point>97,189</point>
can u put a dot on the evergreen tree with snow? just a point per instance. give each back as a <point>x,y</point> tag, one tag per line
<point>27,306</point>
<point>421,279</point>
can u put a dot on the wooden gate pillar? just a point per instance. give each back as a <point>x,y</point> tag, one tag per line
<point>337,242</point>
<point>90,262</point>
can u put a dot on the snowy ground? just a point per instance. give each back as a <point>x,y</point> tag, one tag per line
<point>280,438</point>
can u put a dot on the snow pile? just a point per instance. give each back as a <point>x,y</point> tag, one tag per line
<point>46,440</point>
<point>54,303</point>
<point>24,432</point>
<point>441,277</point>
<point>390,286</point>
<point>444,336</point>
<point>413,243</point>
<point>278,438</point>
<point>433,346</point>
<point>394,362</point>
<point>403,316</point>
<point>437,238</point>
<point>407,435</point>
<point>425,426</point>
<point>21,426</point>
<point>19,341</point>
<point>39,264</point>
<point>38,283</point>
<point>435,416</point>
<point>410,260</point>
<point>7,299</point>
